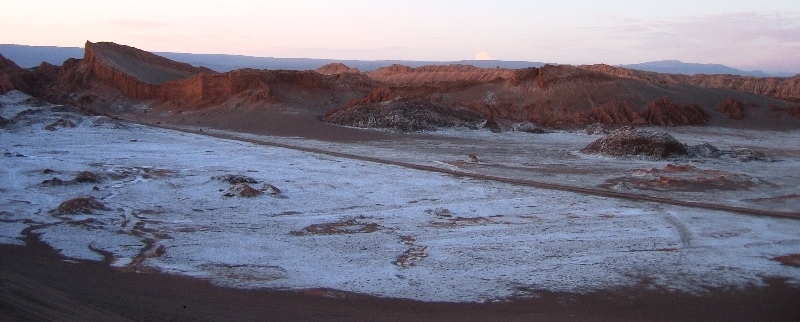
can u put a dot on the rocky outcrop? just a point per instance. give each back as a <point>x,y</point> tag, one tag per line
<point>664,112</point>
<point>336,69</point>
<point>12,77</point>
<point>140,74</point>
<point>777,87</point>
<point>615,113</point>
<point>731,107</point>
<point>404,115</point>
<point>629,141</point>
<point>381,94</point>
<point>108,59</point>
<point>34,81</point>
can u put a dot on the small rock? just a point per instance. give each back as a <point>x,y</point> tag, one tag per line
<point>529,127</point>
<point>747,155</point>
<point>242,190</point>
<point>704,150</point>
<point>80,205</point>
<point>53,182</point>
<point>60,123</point>
<point>270,189</point>
<point>13,154</point>
<point>440,212</point>
<point>86,177</point>
<point>234,179</point>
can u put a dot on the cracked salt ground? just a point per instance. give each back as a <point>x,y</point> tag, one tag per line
<point>360,226</point>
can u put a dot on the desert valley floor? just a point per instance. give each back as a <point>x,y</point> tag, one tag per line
<point>245,211</point>
<point>406,216</point>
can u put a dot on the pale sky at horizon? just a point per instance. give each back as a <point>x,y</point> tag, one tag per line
<point>749,35</point>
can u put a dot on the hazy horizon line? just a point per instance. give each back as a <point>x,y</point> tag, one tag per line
<point>744,69</point>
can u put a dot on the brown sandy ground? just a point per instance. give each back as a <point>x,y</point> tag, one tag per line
<point>36,284</point>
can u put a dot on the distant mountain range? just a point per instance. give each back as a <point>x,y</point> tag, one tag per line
<point>679,67</point>
<point>31,56</point>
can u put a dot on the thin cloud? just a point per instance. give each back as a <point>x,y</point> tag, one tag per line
<point>738,27</point>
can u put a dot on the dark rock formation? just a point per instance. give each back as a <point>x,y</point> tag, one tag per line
<point>54,182</point>
<point>404,115</point>
<point>86,177</point>
<point>629,141</point>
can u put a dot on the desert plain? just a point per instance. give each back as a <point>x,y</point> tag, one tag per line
<point>127,209</point>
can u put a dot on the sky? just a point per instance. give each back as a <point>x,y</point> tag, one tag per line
<point>749,35</point>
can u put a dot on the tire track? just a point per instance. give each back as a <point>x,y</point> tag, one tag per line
<point>683,232</point>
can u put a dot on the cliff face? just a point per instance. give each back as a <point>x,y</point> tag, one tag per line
<point>136,73</point>
<point>144,76</point>
<point>782,88</point>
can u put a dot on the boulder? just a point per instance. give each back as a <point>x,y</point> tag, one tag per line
<point>629,141</point>
<point>80,205</point>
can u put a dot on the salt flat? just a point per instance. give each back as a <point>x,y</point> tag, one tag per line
<point>385,230</point>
